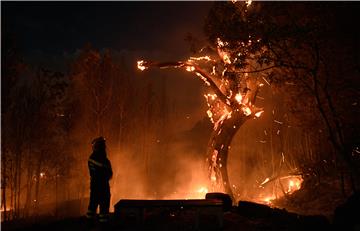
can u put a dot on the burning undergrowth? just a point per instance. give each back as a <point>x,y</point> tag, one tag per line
<point>178,171</point>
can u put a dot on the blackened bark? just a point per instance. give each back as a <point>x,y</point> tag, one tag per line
<point>218,150</point>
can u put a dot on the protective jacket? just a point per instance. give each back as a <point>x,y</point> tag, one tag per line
<point>99,167</point>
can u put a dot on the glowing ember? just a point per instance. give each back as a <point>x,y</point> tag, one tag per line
<point>140,65</point>
<point>190,68</point>
<point>288,185</point>
<point>213,177</point>
<point>258,114</point>
<point>248,2</point>
<point>265,181</point>
<point>238,97</point>
<point>220,43</point>
<point>226,58</point>
<point>203,190</point>
<point>268,200</point>
<point>206,58</point>
<point>246,111</point>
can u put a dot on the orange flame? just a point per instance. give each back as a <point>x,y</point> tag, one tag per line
<point>140,65</point>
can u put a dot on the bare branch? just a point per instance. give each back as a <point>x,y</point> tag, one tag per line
<point>259,70</point>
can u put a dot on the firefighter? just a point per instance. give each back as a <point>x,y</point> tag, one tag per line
<point>100,174</point>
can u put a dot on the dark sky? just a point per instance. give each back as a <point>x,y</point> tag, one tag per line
<point>58,27</point>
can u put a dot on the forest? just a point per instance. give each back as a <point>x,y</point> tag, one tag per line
<point>269,114</point>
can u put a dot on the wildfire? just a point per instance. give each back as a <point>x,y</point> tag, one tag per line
<point>294,184</point>
<point>282,186</point>
<point>198,193</point>
<point>232,98</point>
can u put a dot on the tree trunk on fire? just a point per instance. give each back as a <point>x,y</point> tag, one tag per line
<point>218,150</point>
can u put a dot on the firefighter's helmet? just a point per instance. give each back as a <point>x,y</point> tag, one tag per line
<point>98,143</point>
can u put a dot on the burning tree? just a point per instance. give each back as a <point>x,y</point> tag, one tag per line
<point>230,73</point>
<point>283,45</point>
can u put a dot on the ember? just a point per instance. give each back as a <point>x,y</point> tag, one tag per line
<point>279,187</point>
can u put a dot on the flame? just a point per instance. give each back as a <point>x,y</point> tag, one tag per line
<point>226,58</point>
<point>220,43</point>
<point>265,181</point>
<point>258,114</point>
<point>207,58</point>
<point>248,2</point>
<point>190,68</point>
<point>213,177</point>
<point>220,106</point>
<point>247,111</point>
<point>294,184</point>
<point>291,184</point>
<point>238,98</point>
<point>203,190</point>
<point>140,65</point>
<point>267,200</point>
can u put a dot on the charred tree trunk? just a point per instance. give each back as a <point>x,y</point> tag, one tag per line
<point>218,150</point>
<point>28,190</point>
<point>17,183</point>
<point>3,184</point>
<point>37,183</point>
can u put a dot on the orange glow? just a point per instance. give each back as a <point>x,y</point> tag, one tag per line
<point>267,200</point>
<point>206,58</point>
<point>248,2</point>
<point>247,111</point>
<point>232,95</point>
<point>203,190</point>
<point>7,209</point>
<point>140,65</point>
<point>190,68</point>
<point>238,98</point>
<point>258,114</point>
<point>288,185</point>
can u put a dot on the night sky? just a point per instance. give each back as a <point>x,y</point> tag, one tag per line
<point>50,34</point>
<point>55,28</point>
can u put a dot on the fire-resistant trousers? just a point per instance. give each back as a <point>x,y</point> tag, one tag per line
<point>99,196</point>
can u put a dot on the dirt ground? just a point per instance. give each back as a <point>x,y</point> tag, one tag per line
<point>179,221</point>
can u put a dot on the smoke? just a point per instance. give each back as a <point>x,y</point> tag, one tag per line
<point>173,169</point>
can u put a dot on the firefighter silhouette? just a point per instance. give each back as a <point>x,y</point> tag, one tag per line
<point>100,174</point>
